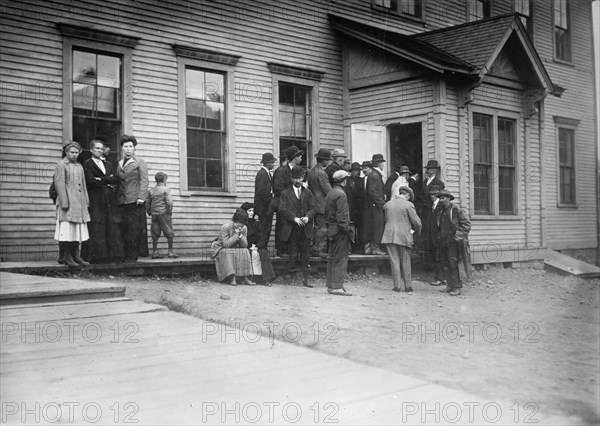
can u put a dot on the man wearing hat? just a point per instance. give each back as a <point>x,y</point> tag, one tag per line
<point>432,177</point>
<point>356,183</point>
<point>401,221</point>
<point>296,211</point>
<point>390,181</point>
<point>338,161</point>
<point>318,183</point>
<point>373,215</point>
<point>281,182</point>
<point>402,180</point>
<point>263,195</point>
<point>430,243</point>
<point>337,218</point>
<point>453,226</point>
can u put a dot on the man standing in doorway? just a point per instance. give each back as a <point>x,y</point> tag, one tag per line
<point>374,217</point>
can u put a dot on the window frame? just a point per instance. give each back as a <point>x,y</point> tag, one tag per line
<point>314,86</point>
<point>528,18</point>
<point>494,180</point>
<point>399,13</point>
<point>128,87</point>
<point>570,124</point>
<point>569,30</point>
<point>484,2</point>
<point>229,176</point>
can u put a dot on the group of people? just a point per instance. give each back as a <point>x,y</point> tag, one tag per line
<point>340,207</point>
<point>101,208</point>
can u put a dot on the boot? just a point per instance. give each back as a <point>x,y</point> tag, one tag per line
<point>376,249</point>
<point>368,249</point>
<point>68,254</point>
<point>76,256</point>
<point>61,253</point>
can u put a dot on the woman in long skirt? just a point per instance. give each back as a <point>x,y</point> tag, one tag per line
<point>133,186</point>
<point>71,206</point>
<point>231,254</point>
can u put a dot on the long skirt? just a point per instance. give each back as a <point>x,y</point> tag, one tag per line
<point>134,231</point>
<point>71,231</point>
<point>105,242</point>
<point>233,261</point>
<point>337,262</point>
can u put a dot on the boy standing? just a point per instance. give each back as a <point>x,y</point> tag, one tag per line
<point>159,205</point>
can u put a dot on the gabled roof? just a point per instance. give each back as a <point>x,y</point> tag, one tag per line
<point>469,49</point>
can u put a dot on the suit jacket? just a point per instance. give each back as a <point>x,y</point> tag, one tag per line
<point>290,207</point>
<point>400,218</point>
<point>426,200</point>
<point>318,183</point>
<point>133,181</point>
<point>281,179</point>
<point>337,216</point>
<point>262,192</point>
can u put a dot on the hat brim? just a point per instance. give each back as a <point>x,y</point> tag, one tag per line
<point>294,156</point>
<point>445,195</point>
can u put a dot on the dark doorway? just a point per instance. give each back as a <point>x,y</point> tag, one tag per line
<point>406,144</point>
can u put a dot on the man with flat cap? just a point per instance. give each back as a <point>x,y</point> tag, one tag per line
<point>263,196</point>
<point>338,232</point>
<point>401,221</point>
<point>297,210</point>
<point>453,227</point>
<point>318,183</point>
<point>373,215</point>
<point>338,162</point>
<point>281,182</point>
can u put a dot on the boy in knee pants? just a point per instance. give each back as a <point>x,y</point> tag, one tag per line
<point>159,205</point>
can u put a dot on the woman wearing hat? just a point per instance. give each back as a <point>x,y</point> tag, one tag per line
<point>254,238</point>
<point>72,205</point>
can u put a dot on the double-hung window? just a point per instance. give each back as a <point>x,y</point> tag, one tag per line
<point>562,32</point>
<point>407,8</point>
<point>494,165</point>
<point>566,135</point>
<point>478,9</point>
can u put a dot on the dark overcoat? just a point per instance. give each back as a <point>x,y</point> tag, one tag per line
<point>290,208</point>
<point>262,193</point>
<point>373,221</point>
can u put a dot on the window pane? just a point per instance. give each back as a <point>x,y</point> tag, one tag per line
<point>214,116</point>
<point>506,188</point>
<point>109,71</point>
<point>196,177</point>
<point>214,174</point>
<point>107,102</point>
<point>84,67</point>
<point>482,138</point>
<point>285,124</point>
<point>506,145</point>
<point>566,158</point>
<point>214,87</point>
<point>194,84</point>
<point>195,143</point>
<point>481,175</point>
<point>214,147</point>
<point>84,96</point>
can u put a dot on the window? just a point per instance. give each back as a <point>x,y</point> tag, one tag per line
<point>205,128</point>
<point>494,165</point>
<point>566,165</point>
<point>97,98</point>
<point>295,118</point>
<point>524,8</point>
<point>562,35</point>
<point>478,9</point>
<point>410,8</point>
<point>206,140</point>
<point>98,91</point>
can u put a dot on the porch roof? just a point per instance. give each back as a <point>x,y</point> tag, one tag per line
<point>468,49</point>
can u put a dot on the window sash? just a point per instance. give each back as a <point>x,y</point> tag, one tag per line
<point>404,7</point>
<point>295,118</point>
<point>566,162</point>
<point>478,9</point>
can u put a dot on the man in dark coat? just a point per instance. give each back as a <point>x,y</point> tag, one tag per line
<point>338,162</point>
<point>338,232</point>
<point>432,177</point>
<point>318,183</point>
<point>373,215</point>
<point>281,182</point>
<point>390,181</point>
<point>263,195</point>
<point>356,188</point>
<point>453,227</point>
<point>297,210</point>
<point>430,238</point>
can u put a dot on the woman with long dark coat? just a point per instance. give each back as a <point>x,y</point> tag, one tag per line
<point>104,245</point>
<point>133,186</point>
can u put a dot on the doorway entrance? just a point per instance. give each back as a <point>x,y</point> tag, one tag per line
<point>406,146</point>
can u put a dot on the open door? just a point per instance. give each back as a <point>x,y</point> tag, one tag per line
<point>406,146</point>
<point>366,141</point>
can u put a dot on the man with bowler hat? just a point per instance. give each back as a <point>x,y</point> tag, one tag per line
<point>339,155</point>
<point>432,177</point>
<point>402,180</point>
<point>318,183</point>
<point>263,196</point>
<point>373,215</point>
<point>401,221</point>
<point>281,182</point>
<point>297,210</point>
<point>453,227</point>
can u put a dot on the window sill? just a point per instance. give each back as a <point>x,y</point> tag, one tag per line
<point>497,217</point>
<point>199,193</point>
<point>567,206</point>
<point>563,62</point>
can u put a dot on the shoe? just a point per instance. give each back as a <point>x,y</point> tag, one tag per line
<point>248,281</point>
<point>339,292</point>
<point>455,292</point>
<point>408,289</point>
<point>157,255</point>
<point>173,255</point>
<point>396,289</point>
<point>305,283</point>
<point>445,289</point>
<point>436,282</point>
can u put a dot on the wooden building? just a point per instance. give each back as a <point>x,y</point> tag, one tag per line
<point>499,91</point>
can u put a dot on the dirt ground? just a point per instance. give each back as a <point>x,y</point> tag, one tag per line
<point>524,335</point>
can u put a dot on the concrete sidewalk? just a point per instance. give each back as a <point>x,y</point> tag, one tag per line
<point>113,361</point>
